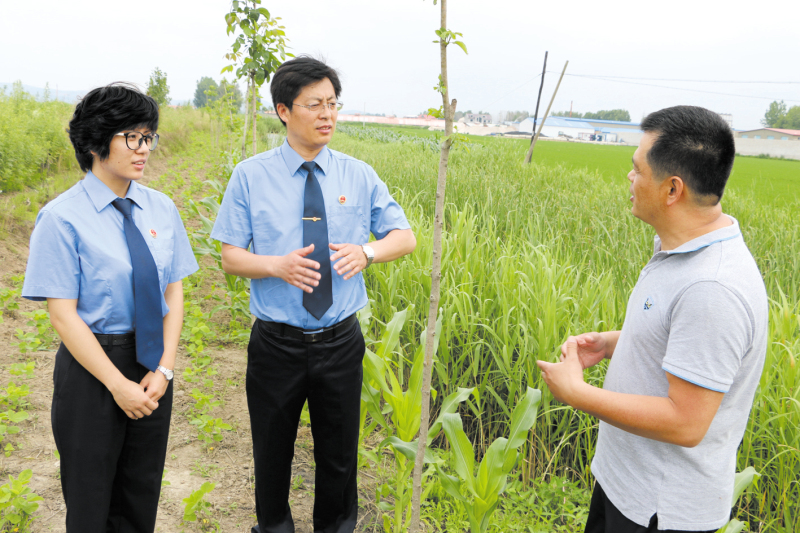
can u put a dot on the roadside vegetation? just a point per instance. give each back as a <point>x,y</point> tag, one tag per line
<point>532,253</point>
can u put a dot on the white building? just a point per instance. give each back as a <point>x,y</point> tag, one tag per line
<point>559,126</point>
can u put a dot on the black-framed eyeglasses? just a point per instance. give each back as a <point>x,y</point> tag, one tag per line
<point>136,139</point>
<point>333,106</point>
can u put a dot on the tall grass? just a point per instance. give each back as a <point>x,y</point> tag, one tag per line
<point>33,141</point>
<point>535,253</point>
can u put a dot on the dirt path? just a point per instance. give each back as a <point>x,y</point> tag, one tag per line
<point>189,462</point>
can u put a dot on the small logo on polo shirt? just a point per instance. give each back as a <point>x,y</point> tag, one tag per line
<point>342,199</point>
<point>153,233</point>
<point>648,304</point>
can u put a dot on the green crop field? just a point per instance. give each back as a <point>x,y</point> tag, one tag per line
<point>772,181</point>
<point>532,254</point>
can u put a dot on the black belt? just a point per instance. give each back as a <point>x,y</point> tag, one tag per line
<point>305,335</point>
<point>116,339</point>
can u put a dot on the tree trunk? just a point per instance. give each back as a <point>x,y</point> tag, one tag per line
<point>246,117</point>
<point>255,111</point>
<point>436,275</point>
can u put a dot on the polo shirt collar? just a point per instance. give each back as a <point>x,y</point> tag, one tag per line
<point>101,195</point>
<point>719,235</point>
<point>293,160</point>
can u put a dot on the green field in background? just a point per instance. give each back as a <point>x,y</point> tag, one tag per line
<point>772,181</point>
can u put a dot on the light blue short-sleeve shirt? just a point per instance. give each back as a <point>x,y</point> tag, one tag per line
<point>263,207</point>
<point>78,251</point>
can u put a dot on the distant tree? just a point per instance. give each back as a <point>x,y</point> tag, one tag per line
<point>574,114</point>
<point>791,120</point>
<point>200,96</point>
<point>621,115</point>
<point>157,87</point>
<point>515,116</point>
<point>776,111</point>
<point>233,91</point>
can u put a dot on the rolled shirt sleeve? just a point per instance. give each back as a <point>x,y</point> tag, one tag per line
<point>233,225</point>
<point>386,214</point>
<point>711,330</point>
<point>53,269</point>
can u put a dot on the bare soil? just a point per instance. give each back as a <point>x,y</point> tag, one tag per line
<point>189,463</point>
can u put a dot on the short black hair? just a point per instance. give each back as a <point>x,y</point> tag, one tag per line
<point>104,112</point>
<point>695,144</point>
<point>295,75</point>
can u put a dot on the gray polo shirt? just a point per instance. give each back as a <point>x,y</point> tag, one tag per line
<point>700,313</point>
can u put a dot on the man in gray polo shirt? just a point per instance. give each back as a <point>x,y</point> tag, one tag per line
<point>679,387</point>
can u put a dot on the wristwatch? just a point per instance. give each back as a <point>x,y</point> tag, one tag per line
<point>369,253</point>
<point>169,374</point>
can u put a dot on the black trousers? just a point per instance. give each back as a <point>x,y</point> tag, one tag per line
<point>604,517</point>
<point>111,466</point>
<point>282,373</point>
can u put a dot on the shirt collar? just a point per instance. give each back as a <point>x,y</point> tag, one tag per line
<point>719,235</point>
<point>294,161</point>
<point>101,195</point>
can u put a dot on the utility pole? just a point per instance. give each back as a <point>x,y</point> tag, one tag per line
<point>536,113</point>
<point>546,113</point>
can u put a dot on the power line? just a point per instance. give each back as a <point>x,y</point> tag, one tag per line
<point>678,80</point>
<point>681,88</point>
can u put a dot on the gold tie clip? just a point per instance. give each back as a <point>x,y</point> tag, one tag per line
<point>312,219</point>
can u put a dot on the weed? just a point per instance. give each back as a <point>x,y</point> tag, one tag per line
<point>18,503</point>
<point>200,511</point>
<point>24,370</point>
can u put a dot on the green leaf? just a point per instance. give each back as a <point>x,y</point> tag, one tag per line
<point>462,454</point>
<point>734,526</point>
<point>462,46</point>
<point>523,418</point>
<point>450,484</point>
<point>743,480</point>
<point>492,471</point>
<point>392,333</point>
<point>409,450</point>
<point>449,405</point>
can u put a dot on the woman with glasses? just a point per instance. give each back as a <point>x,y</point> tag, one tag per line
<point>109,255</point>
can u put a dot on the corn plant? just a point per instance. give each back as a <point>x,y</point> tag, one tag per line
<point>384,378</point>
<point>480,494</point>
<point>18,503</point>
<point>744,479</point>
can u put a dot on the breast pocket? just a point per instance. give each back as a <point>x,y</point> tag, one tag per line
<point>162,249</point>
<point>347,224</point>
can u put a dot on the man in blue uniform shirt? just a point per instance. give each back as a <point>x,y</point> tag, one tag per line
<point>296,220</point>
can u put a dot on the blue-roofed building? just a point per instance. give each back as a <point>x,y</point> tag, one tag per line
<point>587,129</point>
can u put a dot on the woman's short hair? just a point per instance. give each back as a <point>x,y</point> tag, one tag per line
<point>295,75</point>
<point>103,113</point>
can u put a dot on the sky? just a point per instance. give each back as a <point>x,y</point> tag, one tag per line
<point>388,63</point>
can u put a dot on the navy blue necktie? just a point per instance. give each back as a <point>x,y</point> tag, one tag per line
<point>146,292</point>
<point>315,230</point>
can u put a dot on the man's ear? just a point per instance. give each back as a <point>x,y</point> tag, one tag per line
<point>282,111</point>
<point>676,189</point>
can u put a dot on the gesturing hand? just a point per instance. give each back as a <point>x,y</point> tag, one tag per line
<point>352,258</point>
<point>591,348</point>
<point>132,399</point>
<point>566,377</point>
<point>295,269</point>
